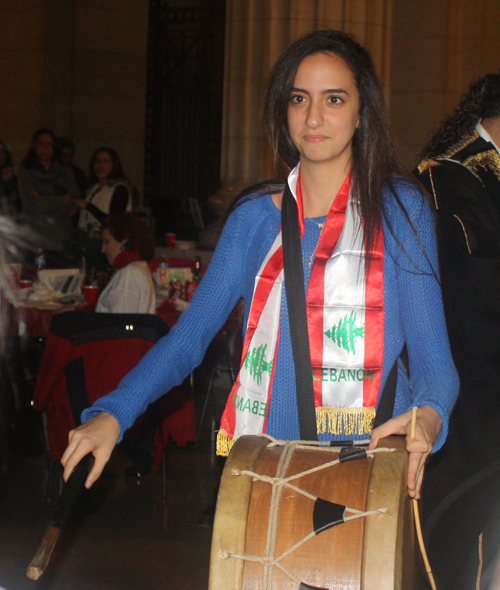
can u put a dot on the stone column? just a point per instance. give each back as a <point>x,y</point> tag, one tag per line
<point>257,31</point>
<point>109,99</point>
<point>439,48</point>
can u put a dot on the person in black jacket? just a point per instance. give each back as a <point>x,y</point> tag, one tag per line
<point>460,168</point>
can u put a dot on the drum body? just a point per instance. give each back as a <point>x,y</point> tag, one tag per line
<point>374,552</point>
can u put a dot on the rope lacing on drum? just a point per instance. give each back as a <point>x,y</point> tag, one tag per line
<point>280,482</point>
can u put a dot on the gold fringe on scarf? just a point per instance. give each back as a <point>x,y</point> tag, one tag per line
<point>338,421</point>
<point>346,421</point>
<point>224,443</point>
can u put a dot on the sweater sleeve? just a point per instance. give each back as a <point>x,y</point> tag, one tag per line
<point>177,354</point>
<point>411,241</point>
<point>118,204</point>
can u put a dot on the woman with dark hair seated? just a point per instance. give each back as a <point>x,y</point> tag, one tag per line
<point>110,191</point>
<point>127,243</point>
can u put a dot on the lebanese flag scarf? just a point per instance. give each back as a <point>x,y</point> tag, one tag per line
<point>345,317</point>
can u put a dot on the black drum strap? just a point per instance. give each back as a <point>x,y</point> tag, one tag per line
<point>297,315</point>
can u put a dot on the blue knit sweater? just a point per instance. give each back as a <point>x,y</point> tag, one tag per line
<point>413,314</point>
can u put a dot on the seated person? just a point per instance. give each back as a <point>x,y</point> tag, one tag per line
<point>110,191</point>
<point>127,243</point>
<point>47,189</point>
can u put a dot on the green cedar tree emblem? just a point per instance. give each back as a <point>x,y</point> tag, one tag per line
<point>345,333</point>
<point>256,364</point>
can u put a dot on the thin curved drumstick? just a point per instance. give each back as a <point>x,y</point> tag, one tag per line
<point>416,512</point>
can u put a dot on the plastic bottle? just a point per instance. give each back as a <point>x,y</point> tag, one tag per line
<point>197,270</point>
<point>40,260</point>
<point>192,285</point>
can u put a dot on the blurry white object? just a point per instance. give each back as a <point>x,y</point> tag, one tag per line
<point>67,281</point>
<point>41,291</point>
<point>185,244</point>
<point>194,207</point>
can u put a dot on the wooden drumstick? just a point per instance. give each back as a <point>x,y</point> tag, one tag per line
<point>428,569</point>
<point>65,503</point>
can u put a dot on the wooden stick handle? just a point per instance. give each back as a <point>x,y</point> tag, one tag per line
<point>42,556</point>
<point>65,503</point>
<point>413,428</point>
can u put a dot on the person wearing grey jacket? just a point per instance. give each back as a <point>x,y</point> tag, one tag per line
<point>47,189</point>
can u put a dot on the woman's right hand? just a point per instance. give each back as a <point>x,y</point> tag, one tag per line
<point>97,436</point>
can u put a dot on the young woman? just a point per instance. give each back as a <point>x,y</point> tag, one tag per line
<point>369,260</point>
<point>127,244</point>
<point>110,191</point>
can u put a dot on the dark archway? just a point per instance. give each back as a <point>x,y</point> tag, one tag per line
<point>184,109</point>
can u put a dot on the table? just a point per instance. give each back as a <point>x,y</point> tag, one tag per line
<point>35,318</point>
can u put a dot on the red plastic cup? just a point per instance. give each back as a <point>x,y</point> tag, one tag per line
<point>25,283</point>
<point>91,294</point>
<point>170,239</point>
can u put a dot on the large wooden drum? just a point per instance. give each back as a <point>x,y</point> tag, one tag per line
<point>280,537</point>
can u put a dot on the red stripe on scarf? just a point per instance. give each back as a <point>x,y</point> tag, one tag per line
<point>315,292</point>
<point>374,321</point>
<point>262,290</point>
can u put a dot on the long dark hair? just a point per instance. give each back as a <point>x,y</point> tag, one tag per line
<point>126,226</point>
<point>481,101</point>
<point>31,155</point>
<point>374,162</point>
<point>117,170</point>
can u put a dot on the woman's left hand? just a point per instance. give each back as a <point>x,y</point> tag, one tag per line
<point>428,427</point>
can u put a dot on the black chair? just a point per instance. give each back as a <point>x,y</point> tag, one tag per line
<point>85,357</point>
